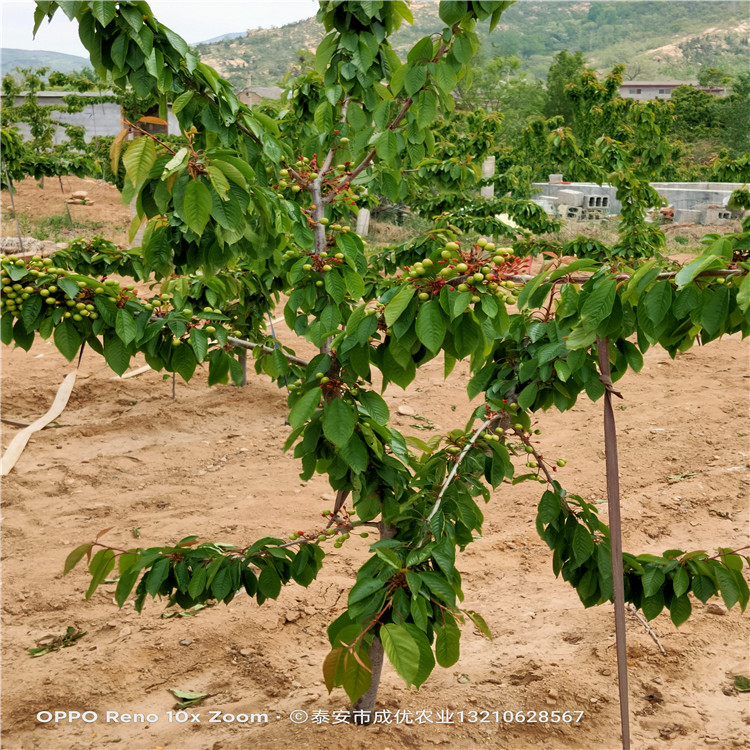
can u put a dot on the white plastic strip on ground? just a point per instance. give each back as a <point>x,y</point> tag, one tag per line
<point>132,373</point>
<point>15,449</point>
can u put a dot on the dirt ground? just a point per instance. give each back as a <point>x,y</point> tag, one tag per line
<point>104,213</point>
<point>125,455</point>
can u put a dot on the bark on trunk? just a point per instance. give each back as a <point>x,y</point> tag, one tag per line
<point>363,709</point>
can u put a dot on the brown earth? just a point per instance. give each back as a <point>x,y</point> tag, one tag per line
<point>103,214</point>
<point>125,455</point>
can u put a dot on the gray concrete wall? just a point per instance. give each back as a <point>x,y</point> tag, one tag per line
<point>682,196</point>
<point>98,119</point>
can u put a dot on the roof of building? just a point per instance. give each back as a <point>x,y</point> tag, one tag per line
<point>658,83</point>
<point>267,92</point>
<point>59,94</point>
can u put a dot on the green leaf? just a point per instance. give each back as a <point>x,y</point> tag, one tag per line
<point>415,79</point>
<point>103,10</point>
<point>426,658</point>
<point>116,354</point>
<point>357,674</point>
<point>703,588</point>
<point>338,422</point>
<point>598,305</point>
<point>528,395</point>
<point>335,286</point>
<point>75,557</point>
<point>686,274</point>
<point>6,328</point>
<point>431,325</point>
<point>479,622</point>
<point>715,310</point>
<point>125,326</point>
<point>101,564</point>
<point>680,581</point>
<point>323,117</point>
<point>653,580</point>
<point>445,77</point>
<point>402,650</point>
<point>730,592</point>
<point>197,583</point>
<point>462,49</point>
<point>452,11</point>
<point>679,609</point>
<point>304,408</point>
<point>198,205</point>
<point>447,644</point>
<point>398,304</point>
<point>388,556</point>
<point>444,554</point>
<point>69,286</point>
<point>199,342</point>
<point>183,362</point>
<point>549,507</point>
<point>67,339</point>
<point>269,583</point>
<point>355,454</point>
<point>139,158</point>
<point>375,406</point>
<point>582,544</point>
<point>364,589</point>
<point>653,605</point>
<point>222,584</point>
<point>386,146</point>
<point>657,301</point>
<point>30,311</point>
<point>427,103</point>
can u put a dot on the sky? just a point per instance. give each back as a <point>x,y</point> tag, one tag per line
<point>194,20</point>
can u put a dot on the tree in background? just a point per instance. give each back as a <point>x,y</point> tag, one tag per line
<point>563,71</point>
<point>501,85</point>
<point>734,115</point>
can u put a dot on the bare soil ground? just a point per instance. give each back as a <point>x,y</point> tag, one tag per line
<point>125,455</point>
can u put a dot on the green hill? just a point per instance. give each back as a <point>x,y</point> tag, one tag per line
<point>25,58</point>
<point>656,39</point>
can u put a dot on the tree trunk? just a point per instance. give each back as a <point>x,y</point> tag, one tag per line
<point>363,709</point>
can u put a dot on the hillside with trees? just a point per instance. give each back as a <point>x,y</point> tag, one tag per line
<point>655,39</point>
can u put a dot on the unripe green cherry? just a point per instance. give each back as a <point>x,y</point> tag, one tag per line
<point>452,246</point>
<point>307,267</point>
<point>462,267</point>
<point>424,296</point>
<point>462,288</point>
<point>561,462</point>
